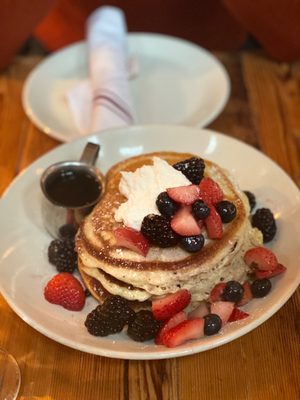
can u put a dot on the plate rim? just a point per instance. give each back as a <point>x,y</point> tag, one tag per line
<point>165,354</point>
<point>33,117</point>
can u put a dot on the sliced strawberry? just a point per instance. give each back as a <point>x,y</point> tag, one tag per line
<point>65,290</point>
<point>186,330</point>
<point>214,224</point>
<point>184,222</point>
<point>216,292</point>
<point>247,295</point>
<point>184,194</point>
<point>210,191</point>
<point>200,311</point>
<point>237,314</point>
<point>170,305</point>
<point>175,320</point>
<point>132,240</point>
<point>223,309</point>
<point>270,274</point>
<point>261,258</point>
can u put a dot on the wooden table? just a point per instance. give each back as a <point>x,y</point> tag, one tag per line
<point>264,111</point>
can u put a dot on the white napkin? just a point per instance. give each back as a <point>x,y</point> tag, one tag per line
<point>103,101</point>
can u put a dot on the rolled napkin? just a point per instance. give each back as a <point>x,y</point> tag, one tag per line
<point>104,101</point>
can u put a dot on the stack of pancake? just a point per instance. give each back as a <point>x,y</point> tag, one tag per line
<point>108,269</point>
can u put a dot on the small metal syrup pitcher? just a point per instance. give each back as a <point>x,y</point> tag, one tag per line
<point>71,190</point>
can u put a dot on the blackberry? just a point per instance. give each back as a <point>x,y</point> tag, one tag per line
<point>200,209</point>
<point>166,206</point>
<point>62,254</point>
<point>261,287</point>
<point>263,219</point>
<point>192,243</point>
<point>157,229</point>
<point>192,168</point>
<point>212,324</point>
<point>67,231</point>
<point>143,327</point>
<point>226,210</point>
<point>251,199</point>
<point>110,317</point>
<point>233,291</point>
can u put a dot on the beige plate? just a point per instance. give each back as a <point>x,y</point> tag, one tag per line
<point>178,83</point>
<point>24,269</point>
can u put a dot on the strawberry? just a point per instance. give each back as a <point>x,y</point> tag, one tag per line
<point>170,305</point>
<point>200,311</point>
<point>210,191</point>
<point>186,330</point>
<point>214,224</point>
<point>237,314</point>
<point>223,309</point>
<point>184,194</point>
<point>175,320</point>
<point>184,222</point>
<point>216,292</point>
<point>65,290</point>
<point>247,295</point>
<point>132,240</point>
<point>261,258</point>
<point>270,274</point>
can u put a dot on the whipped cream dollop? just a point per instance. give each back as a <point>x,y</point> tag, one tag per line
<point>141,189</point>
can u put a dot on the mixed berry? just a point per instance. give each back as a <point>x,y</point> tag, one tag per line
<point>65,289</point>
<point>212,324</point>
<point>157,229</point>
<point>193,169</point>
<point>226,210</point>
<point>263,219</point>
<point>62,255</point>
<point>115,314</point>
<point>183,213</point>
<point>165,205</point>
<point>143,327</point>
<point>110,317</point>
<point>200,210</point>
<point>233,291</point>
<point>170,324</point>
<point>261,287</point>
<point>192,243</point>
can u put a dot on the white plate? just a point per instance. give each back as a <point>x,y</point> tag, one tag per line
<point>178,83</point>
<point>24,269</point>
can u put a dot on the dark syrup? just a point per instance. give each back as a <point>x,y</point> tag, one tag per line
<point>73,188</point>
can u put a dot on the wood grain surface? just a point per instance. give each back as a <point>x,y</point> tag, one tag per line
<point>264,111</point>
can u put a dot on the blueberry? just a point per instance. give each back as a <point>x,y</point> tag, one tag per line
<point>192,243</point>
<point>233,291</point>
<point>212,324</point>
<point>200,209</point>
<point>166,206</point>
<point>226,210</point>
<point>261,287</point>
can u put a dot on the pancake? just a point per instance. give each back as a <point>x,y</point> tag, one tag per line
<point>117,270</point>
